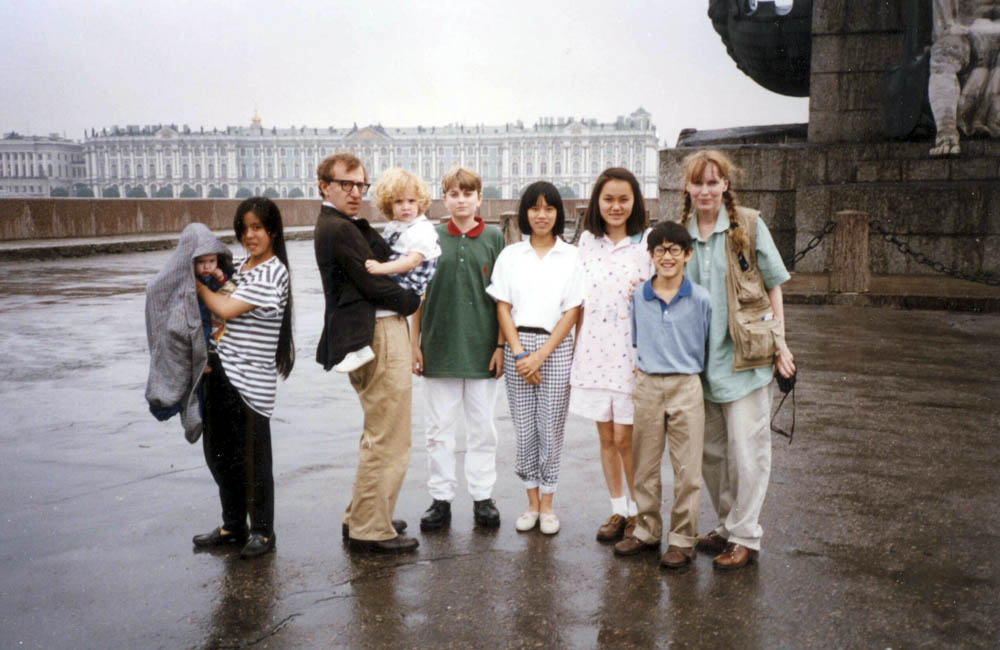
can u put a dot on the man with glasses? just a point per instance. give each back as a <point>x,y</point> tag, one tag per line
<point>364,309</point>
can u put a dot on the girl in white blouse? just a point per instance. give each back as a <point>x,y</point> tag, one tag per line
<point>538,288</point>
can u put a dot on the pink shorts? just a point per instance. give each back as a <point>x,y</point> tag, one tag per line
<point>601,405</point>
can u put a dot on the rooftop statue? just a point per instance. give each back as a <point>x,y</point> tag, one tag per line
<point>964,84</point>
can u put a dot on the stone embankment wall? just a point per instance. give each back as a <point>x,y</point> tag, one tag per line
<point>22,219</point>
<point>946,208</point>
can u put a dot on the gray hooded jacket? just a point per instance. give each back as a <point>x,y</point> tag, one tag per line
<point>177,351</point>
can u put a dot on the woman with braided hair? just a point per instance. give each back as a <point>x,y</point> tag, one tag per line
<point>734,255</point>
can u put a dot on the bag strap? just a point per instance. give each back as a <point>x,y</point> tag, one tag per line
<point>746,219</point>
<point>778,430</point>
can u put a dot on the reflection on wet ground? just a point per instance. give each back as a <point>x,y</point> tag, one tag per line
<point>879,524</point>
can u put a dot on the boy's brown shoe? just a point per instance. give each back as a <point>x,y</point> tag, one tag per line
<point>712,543</point>
<point>634,546</point>
<point>677,557</point>
<point>612,530</point>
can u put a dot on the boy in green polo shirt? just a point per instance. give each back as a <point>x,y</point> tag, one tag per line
<point>458,349</point>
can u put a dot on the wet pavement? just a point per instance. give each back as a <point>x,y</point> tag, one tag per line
<point>882,521</point>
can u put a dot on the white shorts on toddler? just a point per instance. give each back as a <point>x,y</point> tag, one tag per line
<point>601,405</point>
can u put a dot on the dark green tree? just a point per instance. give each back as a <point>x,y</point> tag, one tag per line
<point>165,192</point>
<point>567,192</point>
<point>296,193</point>
<point>491,192</point>
<point>137,192</point>
<point>216,193</point>
<point>82,191</point>
<point>188,193</point>
<point>271,193</point>
<point>59,192</point>
<point>243,193</point>
<point>111,192</point>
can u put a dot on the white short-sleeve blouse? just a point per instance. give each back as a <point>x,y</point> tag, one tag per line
<point>539,290</point>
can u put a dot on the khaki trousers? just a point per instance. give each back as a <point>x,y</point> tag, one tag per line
<point>384,387</point>
<point>737,464</point>
<point>668,408</point>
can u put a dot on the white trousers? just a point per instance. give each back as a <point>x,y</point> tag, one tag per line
<point>737,464</point>
<point>448,400</point>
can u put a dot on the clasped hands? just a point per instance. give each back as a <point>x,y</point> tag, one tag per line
<point>528,367</point>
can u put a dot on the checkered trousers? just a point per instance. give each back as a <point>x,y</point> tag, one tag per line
<point>539,412</point>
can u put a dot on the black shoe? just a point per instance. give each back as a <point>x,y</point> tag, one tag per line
<point>398,544</point>
<point>217,538</point>
<point>485,513</point>
<point>398,524</point>
<point>258,545</point>
<point>437,516</point>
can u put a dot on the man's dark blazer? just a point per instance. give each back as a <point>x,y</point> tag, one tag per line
<point>352,293</point>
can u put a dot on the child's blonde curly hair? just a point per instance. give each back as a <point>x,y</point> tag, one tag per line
<point>393,184</point>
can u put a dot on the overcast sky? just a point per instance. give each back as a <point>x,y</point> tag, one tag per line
<point>68,66</point>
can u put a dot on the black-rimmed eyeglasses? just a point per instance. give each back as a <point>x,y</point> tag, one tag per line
<point>675,250</point>
<point>348,186</point>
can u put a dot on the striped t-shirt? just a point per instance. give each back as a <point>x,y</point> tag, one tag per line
<point>250,341</point>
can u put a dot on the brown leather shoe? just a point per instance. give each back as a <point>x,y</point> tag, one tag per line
<point>630,525</point>
<point>612,530</point>
<point>634,546</point>
<point>736,556</point>
<point>712,543</point>
<point>677,557</point>
<point>398,544</point>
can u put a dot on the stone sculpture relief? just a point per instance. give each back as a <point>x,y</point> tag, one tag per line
<point>964,84</point>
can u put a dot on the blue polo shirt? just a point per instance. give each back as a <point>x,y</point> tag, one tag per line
<point>671,338</point>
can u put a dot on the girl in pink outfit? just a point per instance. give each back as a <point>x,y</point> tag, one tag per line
<point>614,259</point>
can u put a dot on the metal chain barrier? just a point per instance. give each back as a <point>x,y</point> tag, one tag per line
<point>905,249</point>
<point>828,227</point>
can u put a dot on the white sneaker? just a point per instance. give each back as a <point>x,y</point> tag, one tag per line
<point>526,521</point>
<point>355,360</point>
<point>548,523</point>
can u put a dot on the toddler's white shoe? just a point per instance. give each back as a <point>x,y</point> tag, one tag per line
<point>526,521</point>
<point>355,360</point>
<point>548,523</point>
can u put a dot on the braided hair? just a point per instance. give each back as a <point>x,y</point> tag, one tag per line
<point>695,165</point>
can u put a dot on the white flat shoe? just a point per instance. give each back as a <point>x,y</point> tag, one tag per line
<point>549,523</point>
<point>526,521</point>
<point>355,360</point>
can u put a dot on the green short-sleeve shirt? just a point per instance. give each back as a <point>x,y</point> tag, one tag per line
<point>458,320</point>
<point>707,267</point>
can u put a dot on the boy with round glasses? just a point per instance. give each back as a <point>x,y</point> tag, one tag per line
<point>670,318</point>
